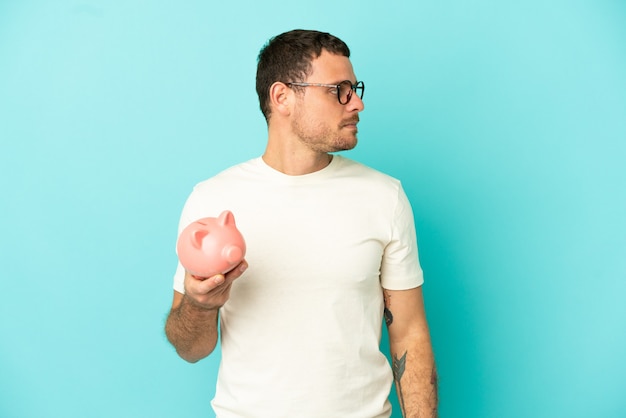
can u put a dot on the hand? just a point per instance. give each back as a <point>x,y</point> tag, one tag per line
<point>211,293</point>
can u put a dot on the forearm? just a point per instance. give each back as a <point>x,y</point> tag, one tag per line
<point>192,330</point>
<point>415,376</point>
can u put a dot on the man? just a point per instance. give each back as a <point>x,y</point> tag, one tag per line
<point>331,247</point>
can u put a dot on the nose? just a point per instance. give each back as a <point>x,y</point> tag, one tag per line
<point>355,103</point>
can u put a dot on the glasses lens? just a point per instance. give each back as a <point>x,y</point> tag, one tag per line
<point>346,88</point>
<point>345,92</point>
<point>360,89</point>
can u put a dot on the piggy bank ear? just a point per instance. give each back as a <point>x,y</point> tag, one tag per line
<point>226,218</point>
<point>197,236</point>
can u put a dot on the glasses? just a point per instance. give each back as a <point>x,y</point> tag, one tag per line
<point>344,89</point>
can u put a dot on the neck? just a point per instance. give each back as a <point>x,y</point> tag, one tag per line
<point>290,156</point>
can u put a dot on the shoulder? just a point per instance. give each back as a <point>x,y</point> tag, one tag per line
<point>224,185</point>
<point>219,192</point>
<point>360,172</point>
<point>232,174</point>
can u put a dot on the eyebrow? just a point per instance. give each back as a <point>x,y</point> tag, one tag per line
<point>345,79</point>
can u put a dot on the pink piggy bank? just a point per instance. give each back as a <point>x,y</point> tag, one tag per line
<point>211,246</point>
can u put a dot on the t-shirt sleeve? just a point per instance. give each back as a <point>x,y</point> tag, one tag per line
<point>179,279</point>
<point>400,267</point>
<point>185,219</point>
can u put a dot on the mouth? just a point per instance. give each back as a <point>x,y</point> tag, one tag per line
<point>351,124</point>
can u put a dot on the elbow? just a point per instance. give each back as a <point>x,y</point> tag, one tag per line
<point>190,346</point>
<point>191,357</point>
<point>193,354</point>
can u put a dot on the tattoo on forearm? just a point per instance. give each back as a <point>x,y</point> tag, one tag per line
<point>434,381</point>
<point>388,317</point>
<point>387,311</point>
<point>398,366</point>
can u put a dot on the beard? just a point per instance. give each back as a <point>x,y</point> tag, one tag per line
<point>322,137</point>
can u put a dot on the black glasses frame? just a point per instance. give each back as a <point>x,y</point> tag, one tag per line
<point>358,88</point>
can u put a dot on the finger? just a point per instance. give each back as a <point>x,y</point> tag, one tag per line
<point>237,271</point>
<point>204,284</point>
<point>222,281</point>
<point>211,283</point>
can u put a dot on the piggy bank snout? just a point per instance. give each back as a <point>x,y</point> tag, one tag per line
<point>232,253</point>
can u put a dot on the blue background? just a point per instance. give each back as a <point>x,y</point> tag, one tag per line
<point>506,122</point>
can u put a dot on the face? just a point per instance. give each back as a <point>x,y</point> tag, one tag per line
<point>319,120</point>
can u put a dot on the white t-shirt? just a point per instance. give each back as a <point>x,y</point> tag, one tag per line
<point>300,334</point>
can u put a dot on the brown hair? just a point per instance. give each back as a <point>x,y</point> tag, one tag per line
<point>287,58</point>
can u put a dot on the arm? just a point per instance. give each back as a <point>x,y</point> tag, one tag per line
<point>413,361</point>
<point>191,325</point>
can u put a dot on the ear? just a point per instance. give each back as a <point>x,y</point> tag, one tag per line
<point>226,218</point>
<point>197,236</point>
<point>281,98</point>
